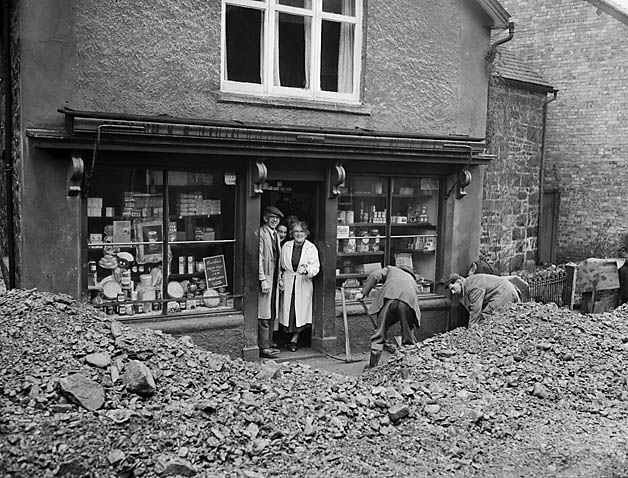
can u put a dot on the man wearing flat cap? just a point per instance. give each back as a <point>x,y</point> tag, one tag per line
<point>396,301</point>
<point>482,294</point>
<point>268,299</point>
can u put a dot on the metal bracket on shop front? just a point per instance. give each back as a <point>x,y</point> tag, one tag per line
<point>76,174</point>
<point>337,176</point>
<point>258,172</point>
<point>464,178</point>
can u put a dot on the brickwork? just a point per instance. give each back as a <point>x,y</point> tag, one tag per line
<point>510,207</point>
<point>582,53</point>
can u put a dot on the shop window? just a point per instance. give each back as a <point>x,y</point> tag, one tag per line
<point>300,48</point>
<point>387,220</point>
<point>161,242</point>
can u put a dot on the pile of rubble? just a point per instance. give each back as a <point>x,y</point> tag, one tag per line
<point>537,391</point>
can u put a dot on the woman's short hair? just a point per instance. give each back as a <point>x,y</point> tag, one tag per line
<point>302,224</point>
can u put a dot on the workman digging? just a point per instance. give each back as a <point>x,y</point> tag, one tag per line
<point>482,294</point>
<point>396,301</point>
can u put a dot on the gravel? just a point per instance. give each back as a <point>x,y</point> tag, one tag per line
<point>536,391</point>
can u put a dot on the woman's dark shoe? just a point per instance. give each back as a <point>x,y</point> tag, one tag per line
<point>292,347</point>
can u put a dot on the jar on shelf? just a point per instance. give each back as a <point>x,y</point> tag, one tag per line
<point>374,243</point>
<point>363,243</point>
<point>349,245</point>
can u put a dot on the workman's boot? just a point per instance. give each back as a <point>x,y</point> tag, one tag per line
<point>374,359</point>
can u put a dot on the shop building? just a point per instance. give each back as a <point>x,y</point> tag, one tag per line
<point>149,138</point>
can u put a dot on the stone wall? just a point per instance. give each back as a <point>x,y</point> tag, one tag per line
<point>582,52</point>
<point>510,207</point>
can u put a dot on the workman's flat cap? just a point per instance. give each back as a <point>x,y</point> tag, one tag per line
<point>453,277</point>
<point>408,270</point>
<point>273,210</point>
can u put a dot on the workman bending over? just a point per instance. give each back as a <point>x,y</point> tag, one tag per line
<point>482,294</point>
<point>396,301</point>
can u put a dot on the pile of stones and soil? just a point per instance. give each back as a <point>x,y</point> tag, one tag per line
<point>537,391</point>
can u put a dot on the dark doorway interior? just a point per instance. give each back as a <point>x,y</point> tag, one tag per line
<point>300,199</point>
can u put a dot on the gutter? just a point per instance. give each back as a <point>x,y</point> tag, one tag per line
<point>7,156</point>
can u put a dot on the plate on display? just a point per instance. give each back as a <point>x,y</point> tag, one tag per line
<point>108,262</point>
<point>110,289</point>
<point>175,290</point>
<point>211,298</point>
<point>127,256</point>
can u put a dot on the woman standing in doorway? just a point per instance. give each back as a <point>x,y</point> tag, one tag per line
<point>299,264</point>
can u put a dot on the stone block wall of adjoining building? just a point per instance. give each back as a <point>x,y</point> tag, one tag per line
<point>581,51</point>
<point>510,207</point>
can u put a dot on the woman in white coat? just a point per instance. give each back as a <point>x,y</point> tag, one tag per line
<point>299,264</point>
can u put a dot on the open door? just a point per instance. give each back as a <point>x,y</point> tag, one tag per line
<point>299,199</point>
<point>548,227</point>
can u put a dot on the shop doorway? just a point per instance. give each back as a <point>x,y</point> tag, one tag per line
<point>296,199</point>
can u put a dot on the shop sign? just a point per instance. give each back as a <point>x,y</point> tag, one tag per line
<point>215,271</point>
<point>230,179</point>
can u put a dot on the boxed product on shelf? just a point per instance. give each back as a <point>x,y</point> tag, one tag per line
<point>94,206</point>
<point>142,204</point>
<point>371,267</point>
<point>403,259</point>
<point>121,231</point>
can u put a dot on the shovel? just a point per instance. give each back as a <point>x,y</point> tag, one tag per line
<point>348,358</point>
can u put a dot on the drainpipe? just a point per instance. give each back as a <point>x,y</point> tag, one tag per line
<point>7,156</point>
<point>542,165</point>
<point>511,33</point>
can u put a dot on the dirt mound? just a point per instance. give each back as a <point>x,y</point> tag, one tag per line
<point>537,391</point>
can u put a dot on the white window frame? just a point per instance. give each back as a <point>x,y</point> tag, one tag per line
<point>270,9</point>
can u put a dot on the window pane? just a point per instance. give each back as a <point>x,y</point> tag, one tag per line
<point>414,220</point>
<point>342,7</point>
<point>337,57</point>
<point>244,34</point>
<point>296,3</point>
<point>292,51</point>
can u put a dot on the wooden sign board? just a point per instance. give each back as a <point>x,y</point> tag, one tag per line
<point>597,274</point>
<point>215,271</point>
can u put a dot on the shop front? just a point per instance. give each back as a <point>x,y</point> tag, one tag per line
<point>169,212</point>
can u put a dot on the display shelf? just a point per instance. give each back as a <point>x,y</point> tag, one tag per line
<point>200,243</point>
<point>411,196</point>
<point>398,249</point>
<point>414,224</point>
<point>352,276</point>
<point>359,254</point>
<point>363,195</point>
<point>363,224</point>
<point>185,276</point>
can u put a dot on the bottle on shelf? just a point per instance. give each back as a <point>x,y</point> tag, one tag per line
<point>423,217</point>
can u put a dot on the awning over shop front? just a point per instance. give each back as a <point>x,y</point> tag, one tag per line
<point>169,134</point>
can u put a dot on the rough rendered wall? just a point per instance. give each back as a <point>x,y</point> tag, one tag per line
<point>510,208</point>
<point>422,67</point>
<point>583,55</point>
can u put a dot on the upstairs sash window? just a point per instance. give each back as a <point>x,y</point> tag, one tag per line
<point>299,48</point>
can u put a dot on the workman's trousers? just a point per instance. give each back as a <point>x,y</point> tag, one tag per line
<point>393,311</point>
<point>265,333</point>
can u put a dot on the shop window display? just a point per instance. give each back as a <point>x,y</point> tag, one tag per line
<point>161,242</point>
<point>387,220</point>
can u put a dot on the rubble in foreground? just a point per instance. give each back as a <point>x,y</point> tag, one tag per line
<point>537,391</point>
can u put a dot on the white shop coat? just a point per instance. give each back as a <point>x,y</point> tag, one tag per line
<point>302,283</point>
